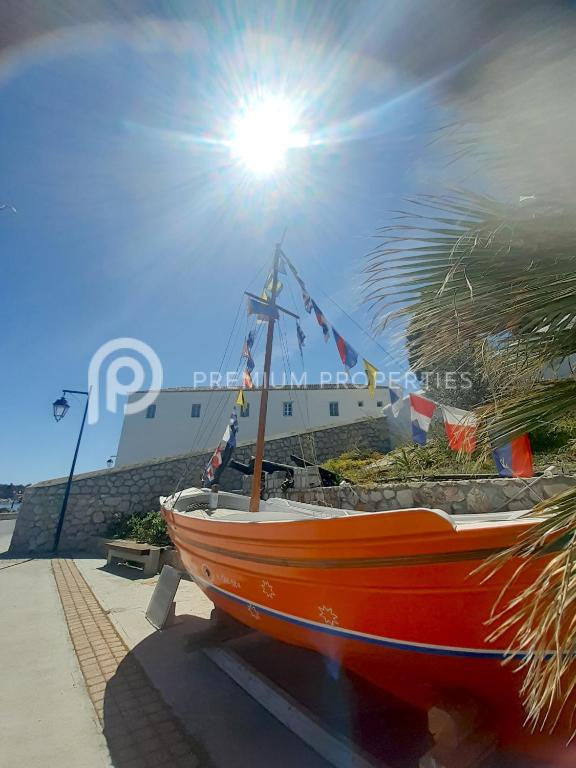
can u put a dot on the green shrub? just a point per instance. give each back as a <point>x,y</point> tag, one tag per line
<point>552,444</point>
<point>353,465</point>
<point>407,461</point>
<point>147,528</point>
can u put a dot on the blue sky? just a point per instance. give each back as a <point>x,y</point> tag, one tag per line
<point>133,220</point>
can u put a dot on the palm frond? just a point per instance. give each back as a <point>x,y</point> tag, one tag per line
<point>541,620</point>
<point>548,400</point>
<point>472,273</point>
<point>465,267</point>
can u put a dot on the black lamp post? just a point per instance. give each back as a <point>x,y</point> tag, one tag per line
<point>60,408</point>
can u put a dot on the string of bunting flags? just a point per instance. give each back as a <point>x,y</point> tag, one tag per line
<point>223,452</point>
<point>514,459</point>
<point>247,382</point>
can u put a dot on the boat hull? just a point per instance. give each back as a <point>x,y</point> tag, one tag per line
<point>390,596</point>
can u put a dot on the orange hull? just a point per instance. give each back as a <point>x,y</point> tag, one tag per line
<point>389,595</point>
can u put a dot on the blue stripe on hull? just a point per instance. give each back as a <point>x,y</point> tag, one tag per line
<point>348,634</point>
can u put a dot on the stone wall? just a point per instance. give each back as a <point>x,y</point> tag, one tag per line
<point>453,496</point>
<point>97,498</point>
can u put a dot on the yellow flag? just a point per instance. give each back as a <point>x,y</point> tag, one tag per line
<point>267,292</point>
<point>240,399</point>
<point>371,372</point>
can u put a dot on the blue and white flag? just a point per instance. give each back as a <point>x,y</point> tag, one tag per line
<point>262,309</point>
<point>396,396</point>
<point>223,453</point>
<point>229,436</point>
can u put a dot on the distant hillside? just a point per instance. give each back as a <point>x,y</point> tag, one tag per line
<point>11,491</point>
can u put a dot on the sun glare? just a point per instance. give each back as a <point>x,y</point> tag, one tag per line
<point>263,135</point>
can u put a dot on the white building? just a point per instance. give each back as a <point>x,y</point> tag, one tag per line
<point>194,419</point>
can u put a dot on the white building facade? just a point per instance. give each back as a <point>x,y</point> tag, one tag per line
<point>182,420</point>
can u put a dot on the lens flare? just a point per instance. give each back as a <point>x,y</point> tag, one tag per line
<point>263,135</point>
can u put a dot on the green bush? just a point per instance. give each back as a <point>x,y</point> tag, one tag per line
<point>353,465</point>
<point>407,461</point>
<point>147,528</point>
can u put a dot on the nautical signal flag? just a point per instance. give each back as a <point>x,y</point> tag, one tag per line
<point>293,269</point>
<point>223,452</point>
<point>301,338</point>
<point>322,322</point>
<point>460,427</point>
<point>348,354</point>
<point>248,344</point>
<point>240,399</point>
<point>514,459</point>
<point>396,397</point>
<point>247,380</point>
<point>370,371</point>
<point>421,412</point>
<point>305,295</point>
<point>210,469</point>
<point>231,431</point>
<point>281,261</point>
<point>267,292</point>
<point>261,309</point>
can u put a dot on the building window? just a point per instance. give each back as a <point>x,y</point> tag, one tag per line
<point>245,409</point>
<point>195,412</point>
<point>379,404</point>
<point>334,409</point>
<point>151,411</point>
<point>287,408</point>
<point>360,403</point>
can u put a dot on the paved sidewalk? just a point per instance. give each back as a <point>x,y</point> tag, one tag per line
<point>140,728</point>
<point>234,730</point>
<point>46,717</point>
<point>125,595</point>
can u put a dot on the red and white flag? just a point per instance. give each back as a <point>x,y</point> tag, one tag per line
<point>460,427</point>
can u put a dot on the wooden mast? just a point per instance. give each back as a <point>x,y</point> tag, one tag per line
<point>255,494</point>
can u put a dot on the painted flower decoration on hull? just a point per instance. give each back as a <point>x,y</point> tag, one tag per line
<point>328,616</point>
<point>268,590</point>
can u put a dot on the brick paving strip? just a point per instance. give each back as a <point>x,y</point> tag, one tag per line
<point>140,728</point>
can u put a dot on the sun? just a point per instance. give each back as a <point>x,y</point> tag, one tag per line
<point>264,133</point>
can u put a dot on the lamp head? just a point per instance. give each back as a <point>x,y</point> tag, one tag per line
<point>60,408</point>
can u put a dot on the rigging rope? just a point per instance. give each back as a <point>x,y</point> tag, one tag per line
<point>307,423</point>
<point>202,430</point>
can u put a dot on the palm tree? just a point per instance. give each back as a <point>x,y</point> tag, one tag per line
<point>471,272</point>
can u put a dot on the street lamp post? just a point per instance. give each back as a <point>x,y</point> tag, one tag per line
<point>60,408</point>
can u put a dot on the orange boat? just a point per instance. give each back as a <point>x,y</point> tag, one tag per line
<point>392,596</point>
<point>388,595</point>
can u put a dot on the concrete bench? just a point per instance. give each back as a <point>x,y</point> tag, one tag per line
<point>121,551</point>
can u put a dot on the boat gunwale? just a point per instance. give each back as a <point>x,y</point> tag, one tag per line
<point>426,550</point>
